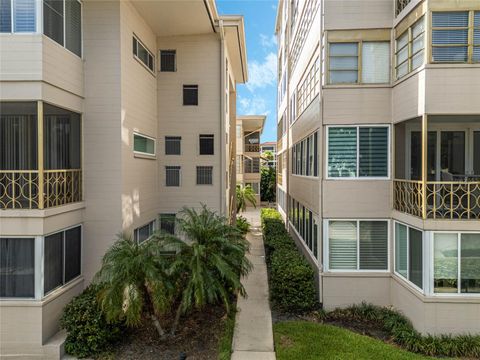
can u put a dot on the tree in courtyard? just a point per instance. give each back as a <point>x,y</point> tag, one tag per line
<point>268,184</point>
<point>245,195</point>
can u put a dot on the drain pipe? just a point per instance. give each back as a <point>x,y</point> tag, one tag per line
<point>223,185</point>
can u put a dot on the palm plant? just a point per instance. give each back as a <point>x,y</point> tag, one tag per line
<point>245,195</point>
<point>134,282</point>
<point>209,262</point>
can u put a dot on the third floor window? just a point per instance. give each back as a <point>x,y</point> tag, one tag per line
<point>18,16</point>
<point>410,49</point>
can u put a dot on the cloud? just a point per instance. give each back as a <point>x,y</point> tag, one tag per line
<point>253,106</point>
<point>268,41</point>
<point>262,74</point>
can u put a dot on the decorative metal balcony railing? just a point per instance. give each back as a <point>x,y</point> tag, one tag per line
<point>252,148</point>
<point>400,5</point>
<point>27,189</point>
<point>438,199</point>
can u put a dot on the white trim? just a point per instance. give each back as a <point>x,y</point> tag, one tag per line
<point>154,228</point>
<point>135,56</point>
<point>358,177</point>
<point>147,137</point>
<point>326,243</point>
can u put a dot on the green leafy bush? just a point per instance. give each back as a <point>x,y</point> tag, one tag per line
<point>291,278</point>
<point>88,332</point>
<point>403,333</point>
<point>242,225</point>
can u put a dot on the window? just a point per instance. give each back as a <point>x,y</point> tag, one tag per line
<point>19,13</point>
<point>251,165</point>
<point>190,94</point>
<point>172,175</point>
<point>255,187</point>
<point>343,63</point>
<point>167,223</point>
<point>62,258</point>
<point>168,60</point>
<point>305,156</point>
<point>450,36</point>
<point>375,62</point>
<point>17,267</point>
<point>358,245</point>
<point>309,88</point>
<point>204,175</point>
<point>173,145</point>
<point>456,263</point>
<point>293,108</point>
<point>143,144</point>
<point>62,22</point>
<point>144,232</point>
<point>305,223</point>
<point>409,254</point>
<point>206,144</point>
<point>358,152</point>
<point>142,54</point>
<point>410,49</point>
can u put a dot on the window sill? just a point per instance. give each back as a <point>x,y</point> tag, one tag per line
<point>358,86</point>
<point>42,213</point>
<point>359,273</point>
<point>144,156</point>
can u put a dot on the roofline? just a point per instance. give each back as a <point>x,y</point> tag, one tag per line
<point>238,22</point>
<point>212,12</point>
<point>253,117</point>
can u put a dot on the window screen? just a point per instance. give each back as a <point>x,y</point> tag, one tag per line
<point>53,20</point>
<point>73,252</point>
<point>172,175</point>
<point>206,144</point>
<point>73,26</point>
<point>168,60</point>
<point>173,145</point>
<point>204,175</point>
<point>190,94</point>
<point>53,262</point>
<point>17,267</point>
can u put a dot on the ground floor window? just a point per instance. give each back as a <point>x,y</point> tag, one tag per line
<point>306,225</point>
<point>358,245</point>
<point>255,187</point>
<point>142,233</point>
<point>409,253</point>
<point>17,267</point>
<point>167,223</point>
<point>456,263</point>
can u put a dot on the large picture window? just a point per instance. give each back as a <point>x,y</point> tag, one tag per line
<point>409,254</point>
<point>456,263</point>
<point>358,245</point>
<point>358,152</point>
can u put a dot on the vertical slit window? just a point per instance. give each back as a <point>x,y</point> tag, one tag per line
<point>410,49</point>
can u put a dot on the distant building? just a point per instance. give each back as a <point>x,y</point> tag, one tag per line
<point>269,146</point>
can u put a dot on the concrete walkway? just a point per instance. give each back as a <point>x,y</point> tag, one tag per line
<point>253,335</point>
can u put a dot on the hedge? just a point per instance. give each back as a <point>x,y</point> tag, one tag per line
<point>402,332</point>
<point>291,278</point>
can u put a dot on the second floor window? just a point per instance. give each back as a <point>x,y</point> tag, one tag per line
<point>172,175</point>
<point>168,60</point>
<point>18,16</point>
<point>204,175</point>
<point>410,49</point>
<point>143,55</point>
<point>452,41</point>
<point>190,94</point>
<point>347,67</point>
<point>206,144</point>
<point>62,22</point>
<point>173,145</point>
<point>358,152</point>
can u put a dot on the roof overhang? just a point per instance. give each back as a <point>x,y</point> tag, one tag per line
<point>279,16</point>
<point>252,122</point>
<point>234,29</point>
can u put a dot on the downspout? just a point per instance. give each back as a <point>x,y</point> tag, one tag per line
<point>223,187</point>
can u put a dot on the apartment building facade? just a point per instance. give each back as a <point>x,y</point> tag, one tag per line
<point>266,149</point>
<point>379,153</point>
<point>249,130</point>
<point>113,116</point>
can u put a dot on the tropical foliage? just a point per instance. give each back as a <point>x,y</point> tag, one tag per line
<point>268,181</point>
<point>245,195</point>
<point>242,225</point>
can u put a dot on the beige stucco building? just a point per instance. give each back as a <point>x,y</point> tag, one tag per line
<point>379,153</point>
<point>113,116</point>
<point>249,129</point>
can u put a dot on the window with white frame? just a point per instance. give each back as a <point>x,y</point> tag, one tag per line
<point>204,175</point>
<point>18,16</point>
<point>364,62</point>
<point>306,225</point>
<point>173,145</point>
<point>62,258</point>
<point>358,245</point>
<point>409,253</point>
<point>358,151</point>
<point>17,267</point>
<point>305,156</point>
<point>172,175</point>
<point>452,40</point>
<point>142,54</point>
<point>62,22</point>
<point>456,263</point>
<point>144,232</point>
<point>410,49</point>
<point>143,144</point>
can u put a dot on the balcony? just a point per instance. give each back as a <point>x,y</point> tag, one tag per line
<point>251,165</point>
<point>39,156</point>
<point>400,5</point>
<point>438,168</point>
<point>252,148</point>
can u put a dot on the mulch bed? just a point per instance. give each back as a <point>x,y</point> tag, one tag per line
<point>197,337</point>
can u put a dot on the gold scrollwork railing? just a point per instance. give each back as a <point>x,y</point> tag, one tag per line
<point>252,148</point>
<point>400,5</point>
<point>21,189</point>
<point>443,200</point>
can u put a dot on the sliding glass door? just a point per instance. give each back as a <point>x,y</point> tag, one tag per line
<point>476,152</point>
<point>416,155</point>
<point>452,152</point>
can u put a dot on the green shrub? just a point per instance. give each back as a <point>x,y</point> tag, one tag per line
<point>403,333</point>
<point>88,332</point>
<point>242,225</point>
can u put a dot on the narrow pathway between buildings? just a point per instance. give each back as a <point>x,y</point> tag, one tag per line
<point>253,335</point>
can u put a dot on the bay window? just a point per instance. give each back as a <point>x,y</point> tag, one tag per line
<point>410,49</point>
<point>409,254</point>
<point>18,16</point>
<point>358,152</point>
<point>364,62</point>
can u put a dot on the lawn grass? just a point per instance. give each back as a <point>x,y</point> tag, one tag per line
<point>305,340</point>
<point>225,342</point>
